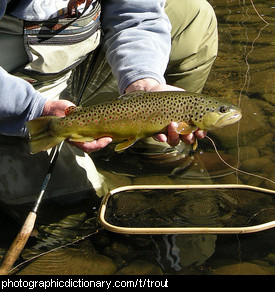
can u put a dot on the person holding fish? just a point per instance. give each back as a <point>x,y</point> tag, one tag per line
<point>48,50</point>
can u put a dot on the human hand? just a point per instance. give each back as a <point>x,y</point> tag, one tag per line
<point>172,137</point>
<point>57,108</point>
<point>149,84</point>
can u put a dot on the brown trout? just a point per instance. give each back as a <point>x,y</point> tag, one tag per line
<point>131,117</point>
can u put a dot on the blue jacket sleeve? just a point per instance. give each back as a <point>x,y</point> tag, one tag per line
<point>137,39</point>
<point>19,103</point>
<point>3,5</point>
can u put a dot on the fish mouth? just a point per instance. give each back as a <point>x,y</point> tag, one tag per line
<point>229,119</point>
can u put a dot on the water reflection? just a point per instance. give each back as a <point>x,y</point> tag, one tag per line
<point>198,207</point>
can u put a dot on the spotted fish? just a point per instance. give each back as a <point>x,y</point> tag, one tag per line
<point>131,117</point>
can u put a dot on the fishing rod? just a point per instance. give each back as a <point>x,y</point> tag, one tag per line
<point>27,228</point>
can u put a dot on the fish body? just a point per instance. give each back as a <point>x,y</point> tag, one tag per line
<point>131,117</point>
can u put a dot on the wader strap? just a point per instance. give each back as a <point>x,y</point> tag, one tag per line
<point>52,48</point>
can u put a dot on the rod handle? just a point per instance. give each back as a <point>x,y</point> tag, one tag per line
<point>18,244</point>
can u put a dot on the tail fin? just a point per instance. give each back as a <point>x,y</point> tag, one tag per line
<point>41,136</point>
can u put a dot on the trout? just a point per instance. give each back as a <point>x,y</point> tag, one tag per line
<point>131,117</point>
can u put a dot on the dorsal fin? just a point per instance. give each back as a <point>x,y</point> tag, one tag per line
<point>72,109</point>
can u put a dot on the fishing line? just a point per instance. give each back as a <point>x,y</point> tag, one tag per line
<point>267,23</point>
<point>247,79</point>
<point>239,251</point>
<point>236,169</point>
<point>245,82</point>
<point>247,75</point>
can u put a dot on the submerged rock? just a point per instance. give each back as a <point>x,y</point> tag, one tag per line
<point>195,249</point>
<point>253,125</point>
<point>244,152</point>
<point>153,180</point>
<point>140,267</point>
<point>244,268</point>
<point>263,54</point>
<point>263,142</point>
<point>70,261</point>
<point>262,82</point>
<point>255,164</point>
<point>272,121</point>
<point>269,97</point>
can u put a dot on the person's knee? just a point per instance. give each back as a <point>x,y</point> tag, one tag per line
<point>208,13</point>
<point>194,43</point>
<point>204,13</point>
<point>194,25</point>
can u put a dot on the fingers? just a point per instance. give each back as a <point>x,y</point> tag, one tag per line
<point>173,138</point>
<point>190,138</point>
<point>89,147</point>
<point>200,134</point>
<point>56,107</point>
<point>161,137</point>
<point>150,84</point>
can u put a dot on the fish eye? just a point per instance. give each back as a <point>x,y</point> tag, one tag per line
<point>223,109</point>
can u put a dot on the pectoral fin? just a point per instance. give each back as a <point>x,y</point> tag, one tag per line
<point>184,128</point>
<point>124,145</point>
<point>195,145</point>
